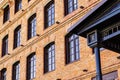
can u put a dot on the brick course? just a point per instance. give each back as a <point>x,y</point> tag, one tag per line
<point>57,33</point>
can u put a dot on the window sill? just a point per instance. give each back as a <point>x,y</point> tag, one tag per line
<point>48,29</point>
<point>17,48</point>
<point>4,57</point>
<point>49,72</point>
<point>72,62</point>
<point>32,38</point>
<point>18,12</point>
<point>69,15</point>
<point>6,22</point>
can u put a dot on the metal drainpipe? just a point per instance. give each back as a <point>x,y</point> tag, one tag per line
<point>98,63</point>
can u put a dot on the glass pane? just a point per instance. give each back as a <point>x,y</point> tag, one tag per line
<point>50,54</point>
<point>53,21</point>
<point>77,55</point>
<point>53,59</point>
<point>49,18</point>
<point>72,51</point>
<point>50,61</point>
<point>49,49</point>
<point>77,41</point>
<point>70,9</point>
<point>71,44</point>
<point>72,58</point>
<point>53,66</point>
<point>77,48</point>
<point>49,24</point>
<point>75,1</point>
<point>50,68</point>
<point>52,10</point>
<point>53,53</point>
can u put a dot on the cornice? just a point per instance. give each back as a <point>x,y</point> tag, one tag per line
<point>54,28</point>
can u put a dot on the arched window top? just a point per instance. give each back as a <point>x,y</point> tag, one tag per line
<point>49,4</point>
<point>31,55</point>
<point>71,34</point>
<point>32,17</point>
<point>3,74</point>
<point>16,63</point>
<point>48,45</point>
<point>3,70</point>
<point>18,27</point>
<point>4,38</point>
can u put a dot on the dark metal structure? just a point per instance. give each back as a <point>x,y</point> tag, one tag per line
<point>101,27</point>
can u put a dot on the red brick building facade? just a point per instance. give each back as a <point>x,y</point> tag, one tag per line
<point>35,44</point>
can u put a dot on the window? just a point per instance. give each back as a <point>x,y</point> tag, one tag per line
<point>17,36</point>
<point>16,71</point>
<point>70,6</point>
<point>31,66</point>
<point>3,74</point>
<point>72,48</point>
<point>6,14</point>
<point>18,5</point>
<point>32,26</point>
<point>5,45</point>
<point>49,14</point>
<point>49,57</point>
<point>109,76</point>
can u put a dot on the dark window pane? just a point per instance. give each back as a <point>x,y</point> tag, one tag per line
<point>16,71</point>
<point>49,14</point>
<point>72,48</point>
<point>6,14</point>
<point>3,74</point>
<point>32,26</point>
<point>5,45</point>
<point>18,5</point>
<point>31,66</point>
<point>49,58</point>
<point>17,36</point>
<point>70,6</point>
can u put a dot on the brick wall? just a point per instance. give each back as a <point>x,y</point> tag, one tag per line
<point>57,33</point>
